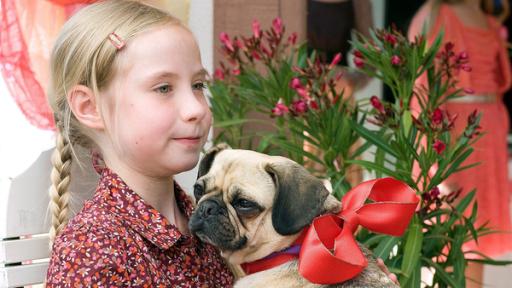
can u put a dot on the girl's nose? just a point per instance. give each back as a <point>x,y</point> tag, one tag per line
<point>194,107</point>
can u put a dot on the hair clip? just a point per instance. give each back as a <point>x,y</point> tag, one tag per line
<point>117,41</point>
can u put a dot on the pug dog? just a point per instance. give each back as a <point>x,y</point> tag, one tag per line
<point>250,205</point>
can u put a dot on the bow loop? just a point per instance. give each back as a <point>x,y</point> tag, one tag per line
<point>329,244</point>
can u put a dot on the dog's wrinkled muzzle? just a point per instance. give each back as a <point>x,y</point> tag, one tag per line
<point>210,222</point>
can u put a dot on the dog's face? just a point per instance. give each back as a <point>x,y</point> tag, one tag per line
<point>250,204</point>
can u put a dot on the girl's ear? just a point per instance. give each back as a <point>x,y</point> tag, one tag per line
<point>82,102</point>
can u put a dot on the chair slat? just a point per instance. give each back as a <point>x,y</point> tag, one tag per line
<point>21,275</point>
<point>12,251</point>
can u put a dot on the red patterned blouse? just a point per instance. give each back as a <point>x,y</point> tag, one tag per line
<point>118,239</point>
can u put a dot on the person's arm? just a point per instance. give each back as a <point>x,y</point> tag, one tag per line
<point>86,260</point>
<point>385,269</point>
<point>363,16</point>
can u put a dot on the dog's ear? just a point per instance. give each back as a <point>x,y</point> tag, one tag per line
<point>300,197</point>
<point>209,156</point>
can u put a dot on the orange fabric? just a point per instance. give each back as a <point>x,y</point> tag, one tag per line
<point>490,75</point>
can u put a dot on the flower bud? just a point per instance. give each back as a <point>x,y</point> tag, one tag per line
<point>395,60</point>
<point>439,146</point>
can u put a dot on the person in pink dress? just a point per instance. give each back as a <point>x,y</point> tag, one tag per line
<point>472,29</point>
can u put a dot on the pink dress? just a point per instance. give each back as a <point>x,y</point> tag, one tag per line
<point>490,75</point>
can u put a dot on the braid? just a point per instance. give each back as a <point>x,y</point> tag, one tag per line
<point>60,177</point>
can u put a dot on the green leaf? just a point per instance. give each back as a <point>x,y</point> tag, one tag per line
<point>374,239</point>
<point>467,167</point>
<point>374,167</point>
<point>456,256</point>
<point>295,149</point>
<point>232,122</point>
<point>414,280</point>
<point>456,163</point>
<point>379,160</point>
<point>407,122</point>
<point>469,222</point>
<point>412,249</point>
<point>361,149</point>
<point>464,203</point>
<point>374,138</point>
<point>487,260</point>
<point>385,246</point>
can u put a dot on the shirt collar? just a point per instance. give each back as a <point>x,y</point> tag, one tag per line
<point>114,195</point>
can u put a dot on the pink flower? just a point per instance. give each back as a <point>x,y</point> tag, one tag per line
<point>358,54</point>
<point>299,106</point>
<point>292,39</point>
<point>314,105</point>
<point>295,84</point>
<point>303,93</point>
<point>390,38</point>
<point>335,60</point>
<point>256,30</point>
<point>265,51</point>
<point>451,120</point>
<point>466,67</point>
<point>277,26</point>
<point>463,55</point>
<point>358,62</point>
<point>219,74</point>
<point>437,116</point>
<point>434,193</point>
<point>468,91</point>
<point>338,76</point>
<point>395,60</point>
<point>256,55</point>
<point>472,117</point>
<point>239,44</point>
<point>439,146</point>
<point>224,38</point>
<point>374,100</point>
<point>236,71</point>
<point>448,46</point>
<point>280,110</point>
<point>301,90</point>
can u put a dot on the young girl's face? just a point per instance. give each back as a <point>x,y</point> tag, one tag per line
<point>155,112</point>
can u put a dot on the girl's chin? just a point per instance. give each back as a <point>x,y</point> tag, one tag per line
<point>188,162</point>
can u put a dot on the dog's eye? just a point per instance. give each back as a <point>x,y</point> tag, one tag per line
<point>246,208</point>
<point>244,204</point>
<point>198,191</point>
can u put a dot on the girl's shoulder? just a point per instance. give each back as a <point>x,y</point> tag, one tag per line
<point>91,228</point>
<point>91,244</point>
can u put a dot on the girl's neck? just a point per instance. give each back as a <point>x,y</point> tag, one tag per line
<point>156,191</point>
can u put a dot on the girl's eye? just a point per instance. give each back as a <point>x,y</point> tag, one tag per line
<point>199,86</point>
<point>164,89</point>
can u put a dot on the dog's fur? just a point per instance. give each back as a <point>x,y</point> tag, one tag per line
<point>250,205</point>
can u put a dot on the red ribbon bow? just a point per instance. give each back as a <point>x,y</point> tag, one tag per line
<point>392,208</point>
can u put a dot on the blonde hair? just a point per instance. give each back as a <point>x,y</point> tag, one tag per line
<point>84,55</point>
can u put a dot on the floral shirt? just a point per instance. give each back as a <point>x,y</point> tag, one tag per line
<point>120,240</point>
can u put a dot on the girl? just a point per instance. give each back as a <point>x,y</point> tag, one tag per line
<point>127,82</point>
<point>476,31</point>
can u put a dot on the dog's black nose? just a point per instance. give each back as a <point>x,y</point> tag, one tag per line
<point>209,208</point>
<point>195,224</point>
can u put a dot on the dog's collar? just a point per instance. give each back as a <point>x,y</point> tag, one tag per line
<point>275,259</point>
